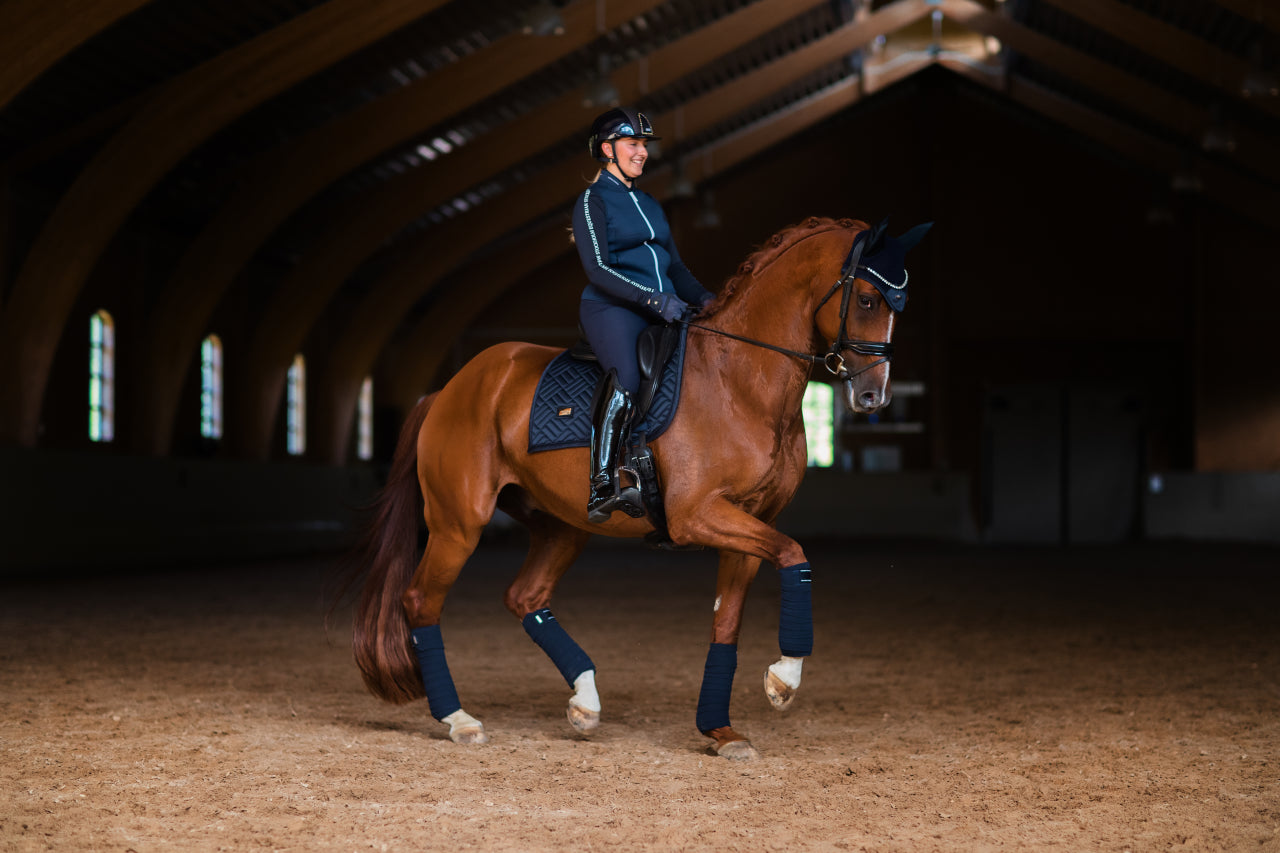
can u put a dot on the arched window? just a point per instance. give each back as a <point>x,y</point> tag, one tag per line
<point>102,377</point>
<point>297,407</point>
<point>364,426</point>
<point>819,424</point>
<point>211,387</point>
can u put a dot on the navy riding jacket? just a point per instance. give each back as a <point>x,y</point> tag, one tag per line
<point>625,244</point>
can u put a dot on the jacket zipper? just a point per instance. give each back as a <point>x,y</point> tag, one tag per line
<point>657,273</point>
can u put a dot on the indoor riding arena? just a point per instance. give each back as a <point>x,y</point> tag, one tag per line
<point>272,271</point>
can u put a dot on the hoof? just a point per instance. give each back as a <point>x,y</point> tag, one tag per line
<point>583,721</point>
<point>779,693</point>
<point>736,750</point>
<point>464,728</point>
<point>469,734</point>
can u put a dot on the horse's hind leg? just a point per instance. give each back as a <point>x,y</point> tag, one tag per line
<point>446,552</point>
<point>553,546</point>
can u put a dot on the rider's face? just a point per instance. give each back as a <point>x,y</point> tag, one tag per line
<point>631,155</point>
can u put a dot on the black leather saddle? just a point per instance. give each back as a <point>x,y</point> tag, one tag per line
<point>654,349</point>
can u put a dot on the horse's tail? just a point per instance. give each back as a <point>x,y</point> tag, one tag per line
<point>386,560</point>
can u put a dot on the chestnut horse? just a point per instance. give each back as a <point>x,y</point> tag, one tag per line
<point>730,461</point>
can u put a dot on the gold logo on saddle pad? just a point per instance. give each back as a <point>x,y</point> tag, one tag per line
<point>565,412</point>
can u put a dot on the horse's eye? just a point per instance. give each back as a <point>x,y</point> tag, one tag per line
<point>864,302</point>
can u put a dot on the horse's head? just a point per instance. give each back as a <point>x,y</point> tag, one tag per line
<point>859,312</point>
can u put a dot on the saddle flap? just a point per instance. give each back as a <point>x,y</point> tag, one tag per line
<point>654,348</point>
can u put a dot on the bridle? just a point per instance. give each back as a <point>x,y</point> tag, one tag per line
<point>833,359</point>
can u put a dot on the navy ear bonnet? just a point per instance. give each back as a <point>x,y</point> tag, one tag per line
<point>882,260</point>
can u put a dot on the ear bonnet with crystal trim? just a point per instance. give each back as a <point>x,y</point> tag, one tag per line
<point>882,261</point>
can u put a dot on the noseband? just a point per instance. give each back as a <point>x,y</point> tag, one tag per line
<point>833,360</point>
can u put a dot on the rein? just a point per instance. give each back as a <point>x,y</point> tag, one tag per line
<point>832,360</point>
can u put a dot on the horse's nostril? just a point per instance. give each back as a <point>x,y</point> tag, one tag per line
<point>868,399</point>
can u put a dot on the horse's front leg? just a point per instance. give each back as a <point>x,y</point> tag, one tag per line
<point>732,581</point>
<point>725,526</point>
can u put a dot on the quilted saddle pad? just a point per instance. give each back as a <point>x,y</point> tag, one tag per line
<point>561,413</point>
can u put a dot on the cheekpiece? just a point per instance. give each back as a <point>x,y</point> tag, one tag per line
<point>883,260</point>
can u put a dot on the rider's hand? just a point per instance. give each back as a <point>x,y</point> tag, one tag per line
<point>668,306</point>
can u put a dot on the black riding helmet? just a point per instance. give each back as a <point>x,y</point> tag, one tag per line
<point>618,123</point>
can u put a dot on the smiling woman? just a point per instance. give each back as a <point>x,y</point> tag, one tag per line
<point>635,278</point>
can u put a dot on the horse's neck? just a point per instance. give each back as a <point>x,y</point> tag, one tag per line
<point>779,312</point>
<point>776,307</point>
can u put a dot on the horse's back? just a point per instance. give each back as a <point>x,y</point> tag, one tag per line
<point>486,404</point>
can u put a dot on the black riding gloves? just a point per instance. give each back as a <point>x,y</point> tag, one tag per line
<point>668,306</point>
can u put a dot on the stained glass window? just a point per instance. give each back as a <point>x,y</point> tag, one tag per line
<point>211,387</point>
<point>297,407</point>
<point>102,377</point>
<point>364,426</point>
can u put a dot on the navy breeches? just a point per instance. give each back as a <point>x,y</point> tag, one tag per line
<point>612,331</point>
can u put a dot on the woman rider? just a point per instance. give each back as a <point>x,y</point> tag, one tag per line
<point>634,278</point>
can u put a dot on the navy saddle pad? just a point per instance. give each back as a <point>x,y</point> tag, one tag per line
<point>561,413</point>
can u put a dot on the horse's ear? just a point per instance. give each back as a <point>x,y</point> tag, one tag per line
<point>875,237</point>
<point>915,235</point>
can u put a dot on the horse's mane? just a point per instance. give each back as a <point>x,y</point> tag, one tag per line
<point>774,247</point>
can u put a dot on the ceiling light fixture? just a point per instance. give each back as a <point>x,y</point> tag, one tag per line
<point>601,92</point>
<point>681,186</point>
<point>708,216</point>
<point>542,19</point>
<point>1261,81</point>
<point>1186,181</point>
<point>1260,84</point>
<point>1217,137</point>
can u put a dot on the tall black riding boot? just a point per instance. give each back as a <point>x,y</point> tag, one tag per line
<point>612,412</point>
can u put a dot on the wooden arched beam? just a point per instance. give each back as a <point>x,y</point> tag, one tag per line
<point>426,350</point>
<point>350,233</point>
<point>1222,185</point>
<point>1172,45</point>
<point>371,325</point>
<point>1263,12</point>
<point>34,34</point>
<point>1143,98</point>
<point>279,182</point>
<point>460,304</point>
<point>183,114</point>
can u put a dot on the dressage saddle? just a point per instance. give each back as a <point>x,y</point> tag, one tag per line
<point>654,349</point>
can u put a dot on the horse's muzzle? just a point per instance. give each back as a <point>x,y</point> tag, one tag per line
<point>864,401</point>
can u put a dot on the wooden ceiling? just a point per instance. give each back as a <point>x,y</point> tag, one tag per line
<point>370,148</point>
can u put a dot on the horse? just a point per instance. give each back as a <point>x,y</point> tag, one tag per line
<point>730,461</point>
